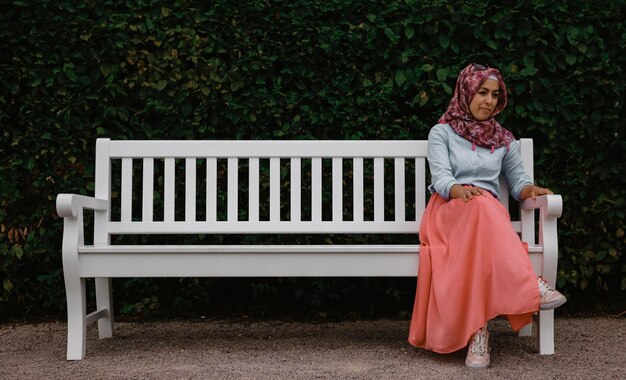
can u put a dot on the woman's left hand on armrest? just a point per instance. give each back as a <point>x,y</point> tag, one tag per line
<point>532,192</point>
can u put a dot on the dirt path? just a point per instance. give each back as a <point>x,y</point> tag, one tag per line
<point>220,349</point>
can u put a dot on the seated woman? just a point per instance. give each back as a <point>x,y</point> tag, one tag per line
<point>472,265</point>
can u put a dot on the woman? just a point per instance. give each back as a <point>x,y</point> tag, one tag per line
<point>473,266</point>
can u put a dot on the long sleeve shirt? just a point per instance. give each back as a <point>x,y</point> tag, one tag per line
<point>453,161</point>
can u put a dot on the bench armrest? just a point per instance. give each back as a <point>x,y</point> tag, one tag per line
<point>550,205</point>
<point>550,209</point>
<point>68,205</point>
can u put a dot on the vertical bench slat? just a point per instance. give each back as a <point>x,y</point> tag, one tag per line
<point>190,189</point>
<point>420,187</point>
<point>169,184</point>
<point>379,189</point>
<point>127,190</point>
<point>103,191</point>
<point>253,183</point>
<point>399,189</point>
<point>232,193</point>
<point>357,167</point>
<point>211,189</point>
<point>316,189</point>
<point>295,189</point>
<point>337,189</point>
<point>275,189</point>
<point>147,207</point>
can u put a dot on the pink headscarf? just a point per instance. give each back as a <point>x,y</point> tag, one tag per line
<point>488,133</point>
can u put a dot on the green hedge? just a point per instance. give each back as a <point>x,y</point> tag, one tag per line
<point>74,71</point>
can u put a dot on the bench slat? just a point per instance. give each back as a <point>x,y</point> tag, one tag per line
<point>358,189</point>
<point>253,184</point>
<point>127,190</point>
<point>169,189</point>
<point>392,261</point>
<point>420,186</point>
<point>190,189</point>
<point>256,248</point>
<point>379,189</point>
<point>316,189</point>
<point>399,205</point>
<point>275,189</point>
<point>211,189</point>
<point>232,209</point>
<point>147,207</point>
<point>266,149</point>
<point>102,191</point>
<point>379,264</point>
<point>296,193</point>
<point>337,196</point>
<point>264,227</point>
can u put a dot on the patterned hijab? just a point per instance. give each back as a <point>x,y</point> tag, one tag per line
<point>488,133</point>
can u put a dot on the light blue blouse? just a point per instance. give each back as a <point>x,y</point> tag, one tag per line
<point>452,161</point>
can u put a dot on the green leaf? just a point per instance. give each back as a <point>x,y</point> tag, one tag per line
<point>105,69</point>
<point>444,41</point>
<point>161,84</point>
<point>16,251</point>
<point>519,88</point>
<point>422,98</point>
<point>400,77</point>
<point>391,34</point>
<point>442,74</point>
<point>570,59</point>
<point>409,31</point>
<point>529,71</point>
<point>7,284</point>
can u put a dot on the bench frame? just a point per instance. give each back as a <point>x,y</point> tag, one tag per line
<point>104,261</point>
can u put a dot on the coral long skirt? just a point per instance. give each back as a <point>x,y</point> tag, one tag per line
<point>472,268</point>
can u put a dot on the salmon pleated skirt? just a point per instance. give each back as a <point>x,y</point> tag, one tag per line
<point>473,267</point>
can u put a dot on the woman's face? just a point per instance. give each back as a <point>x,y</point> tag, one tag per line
<point>485,100</point>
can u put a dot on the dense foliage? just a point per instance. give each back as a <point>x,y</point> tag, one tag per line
<point>72,71</point>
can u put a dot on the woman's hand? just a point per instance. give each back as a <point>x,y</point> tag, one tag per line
<point>465,192</point>
<point>532,192</point>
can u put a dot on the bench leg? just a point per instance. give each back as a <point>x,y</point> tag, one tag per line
<point>526,330</point>
<point>545,332</point>
<point>104,301</point>
<point>76,318</point>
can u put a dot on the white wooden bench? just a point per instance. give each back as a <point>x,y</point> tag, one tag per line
<point>368,182</point>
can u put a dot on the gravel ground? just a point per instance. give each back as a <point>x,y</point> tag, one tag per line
<point>586,348</point>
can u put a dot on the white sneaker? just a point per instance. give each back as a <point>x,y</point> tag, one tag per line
<point>549,298</point>
<point>478,349</point>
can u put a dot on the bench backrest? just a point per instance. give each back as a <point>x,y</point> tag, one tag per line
<point>199,187</point>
